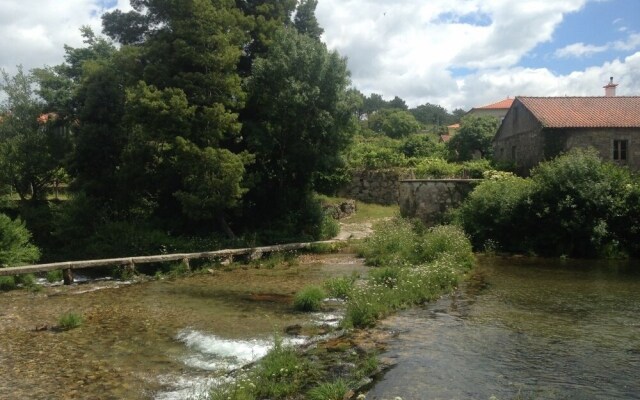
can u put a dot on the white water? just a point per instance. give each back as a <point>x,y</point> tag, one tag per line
<point>208,352</point>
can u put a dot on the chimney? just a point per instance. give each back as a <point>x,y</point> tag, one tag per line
<point>610,89</point>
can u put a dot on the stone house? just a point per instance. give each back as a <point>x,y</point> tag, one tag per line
<point>540,128</point>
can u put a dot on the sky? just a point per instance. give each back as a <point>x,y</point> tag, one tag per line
<point>454,53</point>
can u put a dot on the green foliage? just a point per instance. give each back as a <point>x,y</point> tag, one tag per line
<point>281,373</point>
<point>70,321</point>
<point>339,287</point>
<point>26,280</point>
<point>423,145</point>
<point>437,168</point>
<point>394,123</point>
<point>33,142</point>
<point>432,114</point>
<point>305,20</point>
<point>473,138</point>
<point>587,208</point>
<point>7,283</point>
<point>335,390</point>
<point>54,276</point>
<point>309,299</point>
<point>295,122</point>
<point>391,244</point>
<point>15,246</point>
<point>414,265</point>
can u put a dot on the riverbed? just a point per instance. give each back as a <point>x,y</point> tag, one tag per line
<point>160,339</point>
<point>522,328</point>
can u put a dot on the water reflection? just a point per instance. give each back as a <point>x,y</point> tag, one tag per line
<point>523,328</point>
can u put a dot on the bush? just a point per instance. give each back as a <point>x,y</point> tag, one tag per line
<point>575,205</point>
<point>26,280</point>
<point>437,168</point>
<point>15,246</point>
<point>69,321</point>
<point>309,299</point>
<point>444,240</point>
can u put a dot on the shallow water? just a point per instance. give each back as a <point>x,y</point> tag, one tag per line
<point>523,328</point>
<point>164,339</point>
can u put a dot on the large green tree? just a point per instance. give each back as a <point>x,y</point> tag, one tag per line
<point>305,20</point>
<point>181,118</point>
<point>394,123</point>
<point>298,97</point>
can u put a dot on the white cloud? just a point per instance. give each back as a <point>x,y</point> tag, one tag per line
<point>579,50</point>
<point>454,53</point>
<point>33,32</point>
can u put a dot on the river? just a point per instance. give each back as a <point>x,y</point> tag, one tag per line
<point>522,328</point>
<point>161,339</point>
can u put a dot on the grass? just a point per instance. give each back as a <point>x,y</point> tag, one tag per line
<point>309,299</point>
<point>365,212</point>
<point>340,287</point>
<point>335,390</point>
<point>280,374</point>
<point>70,321</point>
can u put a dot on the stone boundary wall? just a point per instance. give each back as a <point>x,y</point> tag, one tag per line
<point>375,186</point>
<point>430,199</point>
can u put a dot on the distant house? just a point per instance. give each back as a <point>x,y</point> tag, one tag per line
<point>498,110</point>
<point>540,128</point>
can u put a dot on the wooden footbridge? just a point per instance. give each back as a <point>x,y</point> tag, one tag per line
<point>68,267</point>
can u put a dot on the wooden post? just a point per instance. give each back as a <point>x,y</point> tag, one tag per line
<point>67,276</point>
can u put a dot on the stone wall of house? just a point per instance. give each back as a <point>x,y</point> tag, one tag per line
<point>375,186</point>
<point>602,140</point>
<point>430,199</point>
<point>525,150</point>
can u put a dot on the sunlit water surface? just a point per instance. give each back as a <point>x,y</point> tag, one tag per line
<point>526,329</point>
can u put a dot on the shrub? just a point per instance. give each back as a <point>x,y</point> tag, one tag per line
<point>309,299</point>
<point>7,283</point>
<point>335,390</point>
<point>69,321</point>
<point>575,205</point>
<point>15,246</point>
<point>437,168</point>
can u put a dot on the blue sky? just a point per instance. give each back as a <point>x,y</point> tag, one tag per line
<point>456,53</point>
<point>598,24</point>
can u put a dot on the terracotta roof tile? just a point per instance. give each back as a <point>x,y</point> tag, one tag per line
<point>585,112</point>
<point>506,103</point>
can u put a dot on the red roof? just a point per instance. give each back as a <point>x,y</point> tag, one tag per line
<point>502,104</point>
<point>585,112</point>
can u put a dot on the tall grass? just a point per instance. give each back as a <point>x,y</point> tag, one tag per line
<point>309,299</point>
<point>413,265</point>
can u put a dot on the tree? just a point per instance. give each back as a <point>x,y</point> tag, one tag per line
<point>33,146</point>
<point>394,123</point>
<point>305,20</point>
<point>457,115</point>
<point>373,103</point>
<point>300,117</point>
<point>181,118</point>
<point>397,103</point>
<point>473,138</point>
<point>15,245</point>
<point>431,114</point>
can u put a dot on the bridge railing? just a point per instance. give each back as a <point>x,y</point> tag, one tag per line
<point>129,262</point>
